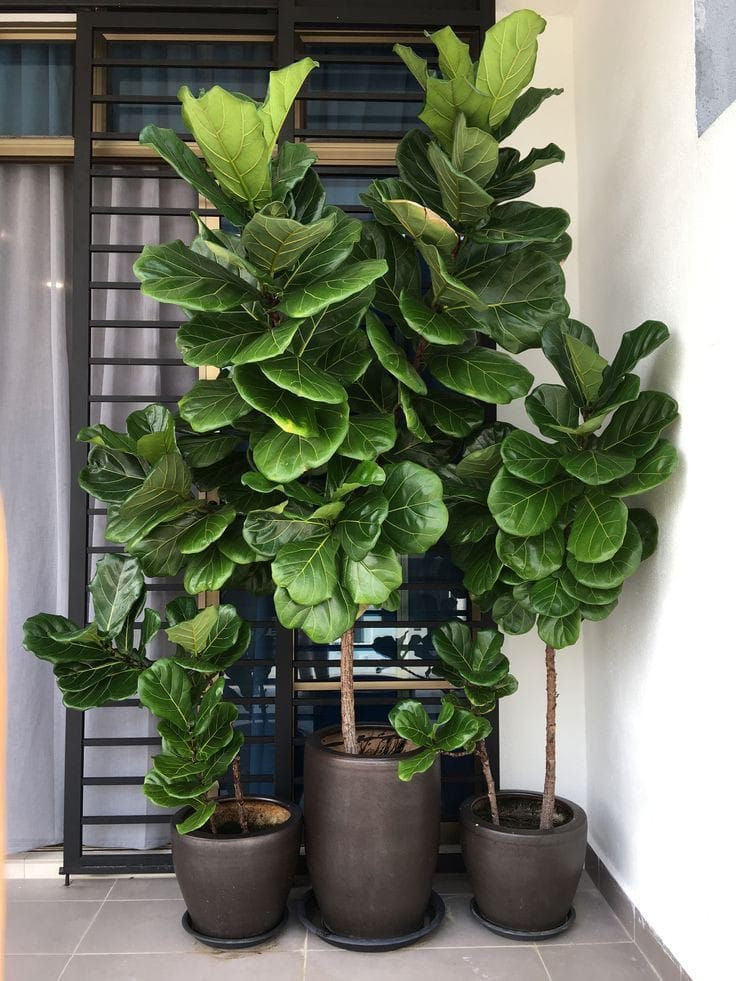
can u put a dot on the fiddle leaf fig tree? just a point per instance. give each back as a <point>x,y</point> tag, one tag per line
<point>107,660</point>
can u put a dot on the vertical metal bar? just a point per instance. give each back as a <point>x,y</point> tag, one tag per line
<point>285,54</point>
<point>79,391</point>
<point>284,709</point>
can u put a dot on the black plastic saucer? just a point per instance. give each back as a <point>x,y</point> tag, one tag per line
<point>308,912</point>
<point>503,931</point>
<point>237,944</point>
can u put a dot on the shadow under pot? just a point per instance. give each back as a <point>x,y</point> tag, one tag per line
<point>524,880</point>
<point>235,884</point>
<point>371,840</point>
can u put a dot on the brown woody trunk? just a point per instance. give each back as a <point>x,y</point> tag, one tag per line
<point>485,763</point>
<point>239,799</point>
<point>347,694</point>
<point>548,798</point>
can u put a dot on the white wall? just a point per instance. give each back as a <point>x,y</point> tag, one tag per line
<point>655,240</point>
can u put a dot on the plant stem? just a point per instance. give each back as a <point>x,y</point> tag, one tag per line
<point>548,798</point>
<point>485,763</point>
<point>239,799</point>
<point>347,694</point>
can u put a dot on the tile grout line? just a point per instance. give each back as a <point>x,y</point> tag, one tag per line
<point>305,949</point>
<point>544,966</point>
<point>84,934</point>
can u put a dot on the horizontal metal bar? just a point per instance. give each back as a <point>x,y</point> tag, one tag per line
<point>368,663</point>
<point>351,134</point>
<point>126,819</point>
<point>160,212</point>
<point>130,137</point>
<point>98,284</point>
<point>112,781</point>
<point>146,324</point>
<point>175,362</point>
<point>115,864</point>
<point>186,62</point>
<point>162,171</point>
<point>116,248</point>
<point>133,398</point>
<point>358,96</point>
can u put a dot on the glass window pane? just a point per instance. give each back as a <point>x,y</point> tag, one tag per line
<point>40,77</point>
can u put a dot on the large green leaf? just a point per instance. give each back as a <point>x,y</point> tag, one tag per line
<point>526,105</point>
<point>435,327</point>
<point>416,170</point>
<point>585,595</point>
<point>464,201</point>
<point>267,530</point>
<point>283,86</point>
<point>381,242</point>
<point>359,526</point>
<point>511,616</point>
<point>291,166</point>
<point>596,467</point>
<point>116,587</point>
<point>320,333</point>
<point>548,598</point>
<point>447,289</point>
<point>275,243</point>
<point>534,557</point>
<point>611,573</point>
<point>159,552</point>
<point>230,133</point>
<point>43,633</point>
<point>368,436</point>
<point>308,300</point>
<point>478,661</point>
<point>371,579</point>
<point>326,256</point>
<point>474,152</point>
<point>490,376</point>
<point>111,476</point>
<point>454,54</point>
<point>422,224</point>
<point>525,509</point>
<point>173,273</point>
<point>635,426</point>
<point>417,516</point>
<point>646,525</point>
<point>530,458</point>
<point>209,405</point>
<point>391,356</point>
<point>307,569</point>
<point>480,564</point>
<point>207,528</point>
<point>232,338</point>
<point>559,632</point>
<point>453,415</point>
<point>515,176</point>
<point>165,494</point>
<point>635,345</point>
<point>282,457</point>
<point>193,635</point>
<point>522,221</point>
<point>290,413</point>
<point>649,471</point>
<point>166,691</point>
<point>322,623</point>
<point>507,60</point>
<point>626,391</point>
<point>299,376</point>
<point>550,407</point>
<point>570,347</point>
<point>445,98</point>
<point>598,529</point>
<point>207,570</point>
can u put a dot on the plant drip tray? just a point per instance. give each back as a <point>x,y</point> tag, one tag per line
<point>503,931</point>
<point>309,914</point>
<point>236,944</point>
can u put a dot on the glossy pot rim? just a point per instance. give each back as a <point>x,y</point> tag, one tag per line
<point>295,815</point>
<point>315,742</point>
<point>472,822</point>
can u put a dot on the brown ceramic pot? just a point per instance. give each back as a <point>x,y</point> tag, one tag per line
<point>523,879</point>
<point>371,839</point>
<point>235,886</point>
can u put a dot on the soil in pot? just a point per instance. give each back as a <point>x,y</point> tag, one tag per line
<point>521,813</point>
<point>259,815</point>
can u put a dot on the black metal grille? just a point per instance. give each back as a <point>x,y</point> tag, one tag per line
<point>280,705</point>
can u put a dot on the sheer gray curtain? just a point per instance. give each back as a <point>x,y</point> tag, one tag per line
<point>34,476</point>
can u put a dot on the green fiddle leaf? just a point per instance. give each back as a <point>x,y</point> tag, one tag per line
<point>207,570</point>
<point>525,509</point>
<point>268,530</point>
<point>193,635</point>
<point>382,242</point>
<point>445,98</point>
<point>598,612</point>
<point>206,529</point>
<point>454,54</point>
<point>308,198</point>
<point>550,407</point>
<point>411,721</point>
<point>448,290</point>
<point>391,356</point>
<point>418,763</point>
<point>344,477</point>
<point>490,376</point>
<point>327,255</point>
<point>411,417</point>
<point>100,435</point>
<point>480,565</point>
<point>612,572</point>
<point>274,244</point>
<point>598,528</point>
<point>435,327</point>
<point>474,152</point>
<point>530,458</point>
<point>209,405</point>
<point>152,429</point>
<point>234,547</point>
<point>308,301</point>
<point>289,412</point>
<point>297,375</point>
<point>307,569</point>
<point>415,169</point>
<point>416,65</point>
<point>515,176</point>
<point>649,471</point>
<point>646,525</point>
<point>181,608</point>
<point>465,201</point>
<point>507,60</point>
<point>215,730</point>
<point>417,516</point>
<point>232,338</point>
<point>202,451</point>
<point>322,623</point>
<point>549,599</point>
<point>201,813</point>
<point>160,793</point>
<point>586,596</point>
<point>535,557</point>
<point>635,345</point>
<point>166,691</point>
<point>115,589</point>
<point>478,660</point>
<point>283,86</point>
<point>422,224</point>
<point>159,552</point>
<point>111,476</point>
<point>468,522</point>
<point>368,436</point>
<point>635,426</point>
<point>511,616</point>
<point>522,221</point>
<point>559,632</point>
<point>526,105</point>
<point>42,635</point>
<point>173,273</point>
<point>291,166</point>
<point>371,579</point>
<point>359,526</point>
<point>282,457</point>
<point>453,415</point>
<point>570,346</point>
<point>166,493</point>
<point>595,467</point>
<point>348,359</point>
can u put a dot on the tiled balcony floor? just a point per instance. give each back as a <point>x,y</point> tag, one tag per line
<point>129,930</point>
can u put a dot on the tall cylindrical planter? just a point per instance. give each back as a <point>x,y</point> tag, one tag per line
<point>523,879</point>
<point>235,886</point>
<point>371,839</point>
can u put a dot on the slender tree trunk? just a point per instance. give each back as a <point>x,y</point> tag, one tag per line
<point>548,798</point>
<point>480,748</point>
<point>239,799</point>
<point>347,694</point>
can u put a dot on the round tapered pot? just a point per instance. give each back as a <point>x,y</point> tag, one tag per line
<point>235,884</point>
<point>523,879</point>
<point>371,839</point>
